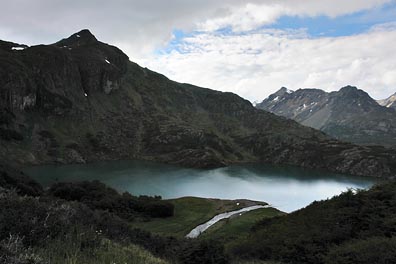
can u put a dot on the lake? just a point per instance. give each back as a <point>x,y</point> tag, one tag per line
<point>286,188</point>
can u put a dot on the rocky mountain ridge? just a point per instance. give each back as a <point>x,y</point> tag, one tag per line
<point>389,102</point>
<point>81,100</point>
<point>349,114</point>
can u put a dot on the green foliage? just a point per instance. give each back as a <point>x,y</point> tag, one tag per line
<point>10,134</point>
<point>308,235</point>
<point>6,116</point>
<point>12,251</point>
<point>90,248</point>
<point>55,229</point>
<point>13,179</point>
<point>207,251</point>
<point>378,250</point>
<point>97,195</point>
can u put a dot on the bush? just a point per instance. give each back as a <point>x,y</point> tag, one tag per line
<point>97,195</point>
<point>377,250</point>
<point>30,219</point>
<point>159,209</point>
<point>206,251</point>
<point>12,251</point>
<point>13,179</point>
<point>309,234</point>
<point>9,134</point>
<point>41,222</point>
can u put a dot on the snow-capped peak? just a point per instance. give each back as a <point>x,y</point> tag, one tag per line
<point>17,48</point>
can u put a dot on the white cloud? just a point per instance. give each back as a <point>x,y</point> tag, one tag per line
<point>255,65</point>
<point>141,26</point>
<point>258,13</point>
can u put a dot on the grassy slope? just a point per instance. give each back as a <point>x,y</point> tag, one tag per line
<point>190,212</point>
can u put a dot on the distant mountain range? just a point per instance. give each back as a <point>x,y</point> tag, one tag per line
<point>389,102</point>
<point>82,100</point>
<point>349,114</point>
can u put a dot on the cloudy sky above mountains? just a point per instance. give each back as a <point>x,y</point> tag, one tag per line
<point>251,48</point>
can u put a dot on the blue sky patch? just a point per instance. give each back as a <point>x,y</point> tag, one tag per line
<point>319,26</point>
<point>346,25</point>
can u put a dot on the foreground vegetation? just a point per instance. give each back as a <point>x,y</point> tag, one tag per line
<point>38,227</point>
<point>97,195</point>
<point>354,227</point>
<point>45,229</point>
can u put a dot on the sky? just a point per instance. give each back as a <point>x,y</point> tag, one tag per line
<point>249,47</point>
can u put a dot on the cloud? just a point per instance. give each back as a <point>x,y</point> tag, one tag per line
<point>257,64</point>
<point>257,13</point>
<point>141,26</point>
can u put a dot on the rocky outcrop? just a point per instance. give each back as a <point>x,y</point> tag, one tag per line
<point>349,114</point>
<point>81,100</point>
<point>389,102</point>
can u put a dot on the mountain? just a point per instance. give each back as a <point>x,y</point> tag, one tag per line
<point>389,102</point>
<point>349,114</point>
<point>81,100</point>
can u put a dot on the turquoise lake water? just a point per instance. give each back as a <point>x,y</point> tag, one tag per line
<point>286,188</point>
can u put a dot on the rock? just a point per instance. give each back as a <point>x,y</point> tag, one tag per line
<point>349,114</point>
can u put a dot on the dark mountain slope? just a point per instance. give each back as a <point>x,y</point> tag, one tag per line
<point>82,100</point>
<point>349,114</point>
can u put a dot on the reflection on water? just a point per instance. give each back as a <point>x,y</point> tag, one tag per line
<point>286,188</point>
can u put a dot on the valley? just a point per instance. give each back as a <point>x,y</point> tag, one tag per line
<point>104,161</point>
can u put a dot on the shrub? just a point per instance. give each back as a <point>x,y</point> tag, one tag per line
<point>309,234</point>
<point>13,179</point>
<point>10,134</point>
<point>379,250</point>
<point>97,195</point>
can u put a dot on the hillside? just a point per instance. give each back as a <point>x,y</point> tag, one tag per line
<point>349,114</point>
<point>354,227</point>
<point>81,100</point>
